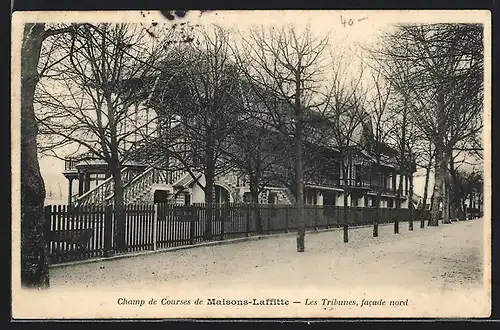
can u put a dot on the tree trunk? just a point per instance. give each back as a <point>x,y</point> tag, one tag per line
<point>446,201</point>
<point>398,199</point>
<point>426,185</point>
<point>446,188</point>
<point>427,176</point>
<point>209,193</point>
<point>426,189</point>
<point>209,185</point>
<point>440,162</point>
<point>119,208</point>
<point>463,215</point>
<point>403,168</point>
<point>299,178</point>
<point>34,253</point>
<point>345,170</point>
<point>299,171</point>
<point>410,202</point>
<point>378,199</point>
<point>438,187</point>
<point>345,224</point>
<point>254,192</point>
<point>454,191</point>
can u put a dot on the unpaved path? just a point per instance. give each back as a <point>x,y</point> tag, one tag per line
<point>435,257</point>
<point>431,272</point>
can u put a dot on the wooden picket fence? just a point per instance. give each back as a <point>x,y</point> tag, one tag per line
<point>87,232</point>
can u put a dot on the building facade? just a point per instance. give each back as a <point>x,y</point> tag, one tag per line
<point>147,182</point>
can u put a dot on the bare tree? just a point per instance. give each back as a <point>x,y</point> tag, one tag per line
<point>346,115</point>
<point>427,156</point>
<point>34,262</point>
<point>200,98</point>
<point>289,66</point>
<point>252,150</point>
<point>411,146</point>
<point>380,119</point>
<point>260,133</point>
<point>90,98</point>
<point>406,141</point>
<point>444,64</point>
<point>39,54</point>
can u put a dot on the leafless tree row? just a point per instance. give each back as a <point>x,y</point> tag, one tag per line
<point>438,70</point>
<point>118,91</point>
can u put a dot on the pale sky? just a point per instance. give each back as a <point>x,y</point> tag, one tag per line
<point>346,28</point>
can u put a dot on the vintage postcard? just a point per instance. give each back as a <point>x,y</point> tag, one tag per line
<point>251,164</point>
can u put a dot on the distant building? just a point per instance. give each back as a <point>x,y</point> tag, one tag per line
<point>89,181</point>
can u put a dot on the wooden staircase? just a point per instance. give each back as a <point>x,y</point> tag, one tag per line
<point>136,190</point>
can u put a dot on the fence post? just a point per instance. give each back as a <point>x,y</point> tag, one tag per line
<point>345,224</point>
<point>108,231</point>
<point>396,221</point>
<point>268,217</point>
<point>192,225</point>
<point>327,217</point>
<point>224,218</point>
<point>46,233</point>
<point>315,217</point>
<point>247,218</point>
<point>410,215</point>
<point>155,225</point>
<point>286,219</point>
<point>346,231</point>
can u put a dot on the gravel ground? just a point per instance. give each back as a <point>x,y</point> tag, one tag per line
<point>425,265</point>
<point>445,256</point>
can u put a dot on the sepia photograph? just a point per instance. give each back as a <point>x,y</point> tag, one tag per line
<point>251,164</point>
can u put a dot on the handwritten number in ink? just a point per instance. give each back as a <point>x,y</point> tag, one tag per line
<point>344,22</point>
<point>350,22</point>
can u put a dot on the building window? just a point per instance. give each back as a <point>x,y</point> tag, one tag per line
<point>336,170</point>
<point>247,197</point>
<point>221,195</point>
<point>329,198</point>
<point>390,203</point>
<point>357,173</point>
<point>354,200</point>
<point>187,198</point>
<point>310,197</point>
<point>160,196</point>
<point>272,197</point>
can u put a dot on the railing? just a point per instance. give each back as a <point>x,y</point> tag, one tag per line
<point>70,164</point>
<point>134,185</point>
<point>97,195</point>
<point>100,193</point>
<point>324,181</point>
<point>177,175</point>
<point>130,175</point>
<point>74,198</point>
<point>339,182</point>
<point>383,189</point>
<point>359,183</point>
<point>146,179</point>
<point>142,182</point>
